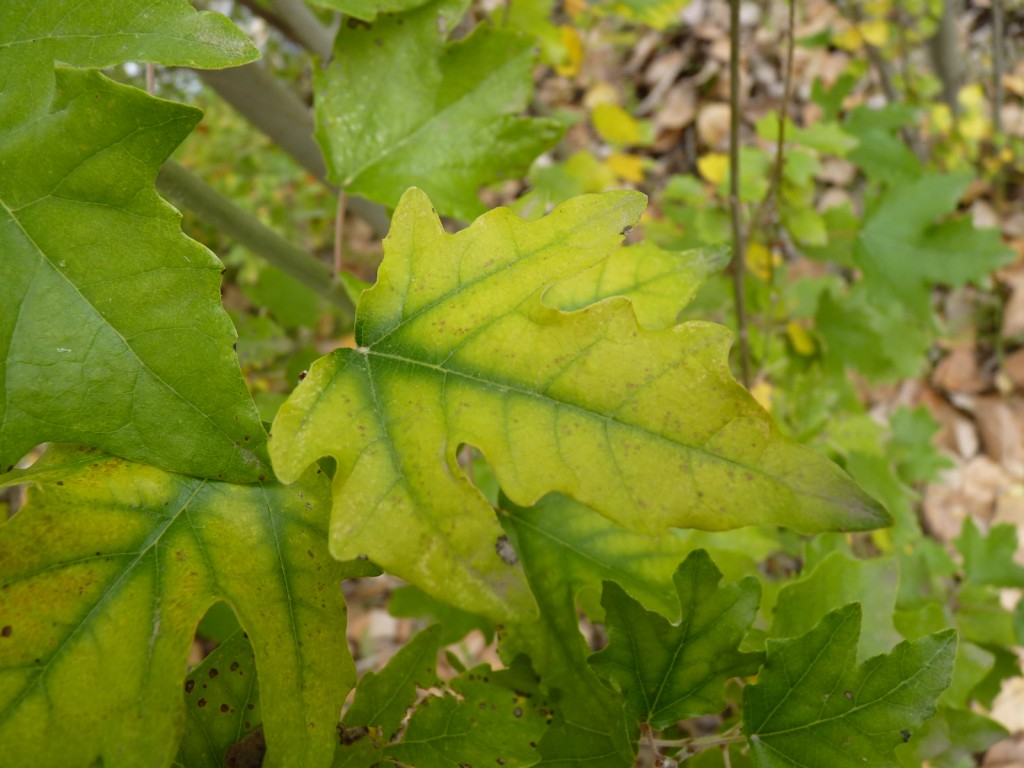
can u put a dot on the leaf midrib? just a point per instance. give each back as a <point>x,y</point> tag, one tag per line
<point>605,419</point>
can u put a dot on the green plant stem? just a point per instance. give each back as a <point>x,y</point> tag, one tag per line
<point>186,190</point>
<point>278,112</point>
<point>700,743</point>
<point>739,249</point>
<point>307,27</point>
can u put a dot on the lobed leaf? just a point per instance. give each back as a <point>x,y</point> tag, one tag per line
<point>669,672</point>
<point>222,700</point>
<point>494,718</point>
<point>113,333</point>
<point>842,579</point>
<point>659,283</point>
<point>399,106</point>
<point>455,346</point>
<point>590,724</point>
<point>106,573</point>
<point>812,705</point>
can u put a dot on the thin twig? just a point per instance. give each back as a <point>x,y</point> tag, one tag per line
<point>997,65</point>
<point>739,249</point>
<point>780,157</point>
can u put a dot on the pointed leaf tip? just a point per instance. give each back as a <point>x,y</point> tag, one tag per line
<point>456,347</point>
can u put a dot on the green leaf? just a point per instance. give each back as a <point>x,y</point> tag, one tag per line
<point>951,739</point>
<point>658,14</point>
<point>383,698</point>
<point>669,672</point>
<point>223,704</point>
<point>107,572</point>
<point>589,725</point>
<point>590,549</point>
<point>659,283</point>
<point>96,34</point>
<point>119,339</point>
<point>367,10</point>
<point>443,118</point>
<point>455,346</point>
<point>841,579</point>
<point>812,699</point>
<point>412,602</point>
<point>989,559</point>
<point>494,718</point>
<point>904,252</point>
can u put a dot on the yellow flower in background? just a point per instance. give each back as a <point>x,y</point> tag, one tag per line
<point>714,167</point>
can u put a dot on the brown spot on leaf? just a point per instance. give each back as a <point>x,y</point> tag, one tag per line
<point>201,703</point>
<point>225,708</point>
<point>189,685</point>
<point>6,631</point>
<point>213,672</point>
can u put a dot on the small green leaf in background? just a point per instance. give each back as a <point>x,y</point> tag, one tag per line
<point>658,14</point>
<point>951,739</point>
<point>495,718</point>
<point>590,726</point>
<point>482,717</point>
<point>672,672</point>
<point>455,346</point>
<point>904,252</point>
<point>658,282</point>
<point>223,705</point>
<point>367,10</point>
<point>989,559</point>
<point>383,698</point>
<point>841,579</point>
<point>412,602</point>
<point>120,340</point>
<point>106,572</point>
<point>445,116</point>
<point>812,698</point>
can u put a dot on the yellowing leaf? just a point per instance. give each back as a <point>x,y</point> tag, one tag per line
<point>762,261</point>
<point>971,96</point>
<point>602,92</point>
<point>801,340</point>
<point>974,125</point>
<point>575,7</point>
<point>849,39</point>
<point>875,32</point>
<point>615,125</point>
<point>573,44</point>
<point>106,573</point>
<point>941,119</point>
<point>713,166</point>
<point>457,347</point>
<point>626,167</point>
